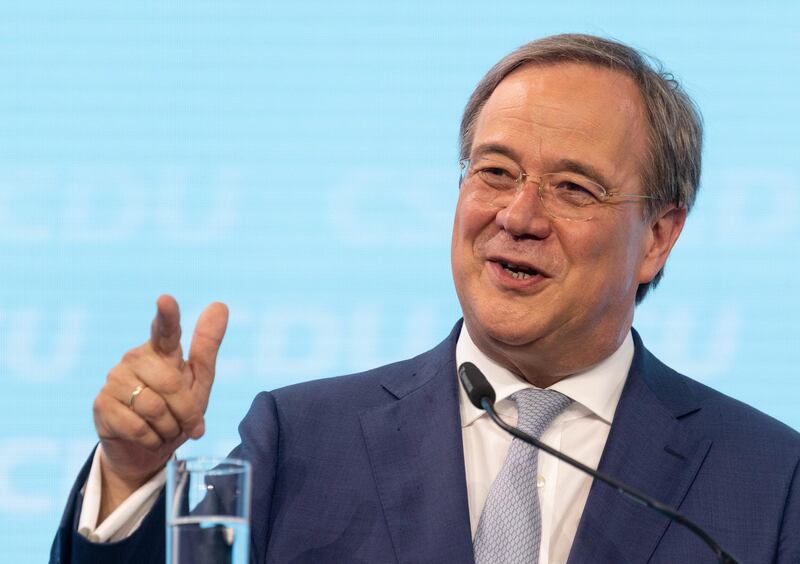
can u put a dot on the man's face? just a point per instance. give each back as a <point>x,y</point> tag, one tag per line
<point>578,306</point>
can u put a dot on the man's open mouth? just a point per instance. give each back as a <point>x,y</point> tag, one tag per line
<point>517,271</point>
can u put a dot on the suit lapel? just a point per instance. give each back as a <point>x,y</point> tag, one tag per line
<point>415,449</point>
<point>649,449</point>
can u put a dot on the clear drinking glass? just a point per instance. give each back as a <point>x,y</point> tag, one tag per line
<point>208,511</point>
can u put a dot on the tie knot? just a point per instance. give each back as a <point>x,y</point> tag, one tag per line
<point>538,408</point>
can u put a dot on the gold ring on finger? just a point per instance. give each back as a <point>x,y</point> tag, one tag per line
<point>136,391</point>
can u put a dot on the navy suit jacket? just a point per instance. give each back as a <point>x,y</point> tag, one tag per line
<point>370,468</point>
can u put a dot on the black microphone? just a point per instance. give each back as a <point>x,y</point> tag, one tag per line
<point>482,396</point>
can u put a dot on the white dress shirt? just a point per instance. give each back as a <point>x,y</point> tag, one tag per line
<point>580,431</point>
<point>125,519</point>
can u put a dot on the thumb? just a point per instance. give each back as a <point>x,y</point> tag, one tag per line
<point>207,338</point>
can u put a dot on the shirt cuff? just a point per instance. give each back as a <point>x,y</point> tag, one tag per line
<point>126,518</point>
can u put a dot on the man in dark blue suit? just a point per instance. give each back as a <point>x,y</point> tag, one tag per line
<point>580,163</point>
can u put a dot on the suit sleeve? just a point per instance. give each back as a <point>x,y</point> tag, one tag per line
<point>145,545</point>
<point>259,445</point>
<point>789,538</point>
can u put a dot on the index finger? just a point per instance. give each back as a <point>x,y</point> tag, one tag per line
<point>165,331</point>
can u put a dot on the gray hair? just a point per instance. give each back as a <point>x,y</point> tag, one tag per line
<point>672,169</point>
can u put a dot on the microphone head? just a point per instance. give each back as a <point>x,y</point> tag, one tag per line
<point>475,384</point>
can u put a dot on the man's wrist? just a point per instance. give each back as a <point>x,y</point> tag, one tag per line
<point>126,517</point>
<point>116,488</point>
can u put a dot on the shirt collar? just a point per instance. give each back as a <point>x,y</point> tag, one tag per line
<point>596,388</point>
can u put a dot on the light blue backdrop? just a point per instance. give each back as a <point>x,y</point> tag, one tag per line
<point>298,161</point>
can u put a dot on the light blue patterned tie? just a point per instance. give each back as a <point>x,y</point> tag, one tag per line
<point>510,527</point>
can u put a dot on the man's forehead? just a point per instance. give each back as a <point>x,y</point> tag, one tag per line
<point>568,91</point>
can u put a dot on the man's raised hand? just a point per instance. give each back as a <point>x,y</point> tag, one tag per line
<point>140,431</point>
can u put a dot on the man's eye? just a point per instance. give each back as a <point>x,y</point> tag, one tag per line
<point>494,171</point>
<point>575,193</point>
<point>497,178</point>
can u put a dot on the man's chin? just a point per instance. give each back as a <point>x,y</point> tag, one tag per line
<point>504,334</point>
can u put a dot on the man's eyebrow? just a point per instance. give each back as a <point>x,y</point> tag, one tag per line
<point>498,148</point>
<point>587,170</point>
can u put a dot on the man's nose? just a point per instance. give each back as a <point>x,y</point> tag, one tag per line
<point>525,213</point>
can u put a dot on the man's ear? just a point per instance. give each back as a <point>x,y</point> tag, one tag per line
<point>663,232</point>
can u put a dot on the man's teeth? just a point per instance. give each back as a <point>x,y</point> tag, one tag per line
<point>520,275</point>
<point>516,272</point>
